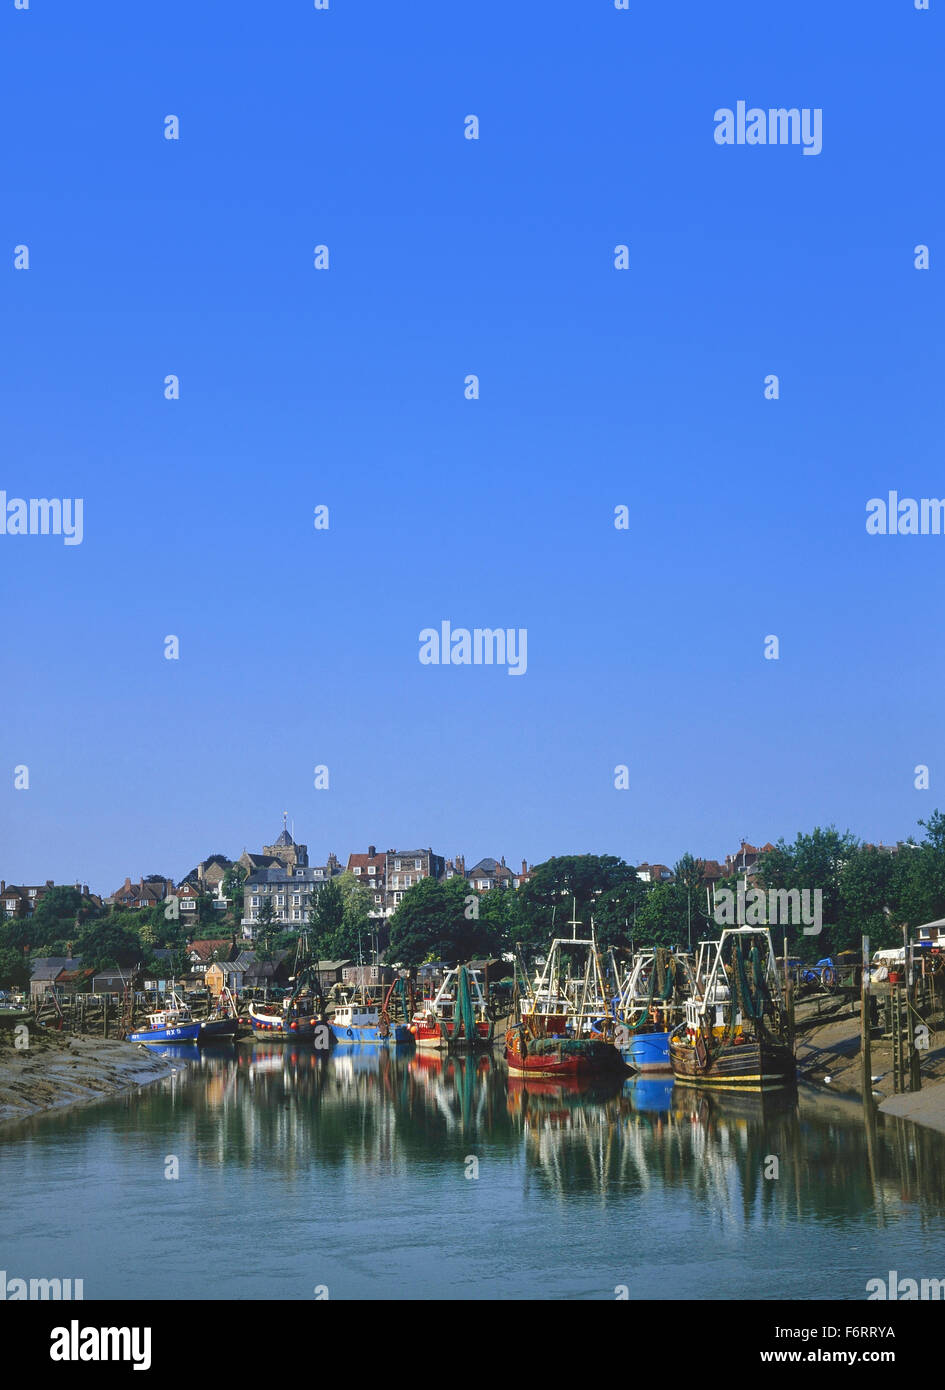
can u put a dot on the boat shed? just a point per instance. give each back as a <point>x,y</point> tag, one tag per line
<point>46,972</point>
<point>111,982</point>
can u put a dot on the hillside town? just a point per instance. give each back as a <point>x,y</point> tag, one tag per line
<point>233,923</point>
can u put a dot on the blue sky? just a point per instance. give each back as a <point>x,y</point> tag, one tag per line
<point>345,388</point>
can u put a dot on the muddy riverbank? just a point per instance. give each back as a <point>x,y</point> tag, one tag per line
<point>56,1070</point>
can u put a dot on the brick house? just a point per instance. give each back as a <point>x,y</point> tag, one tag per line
<point>370,870</point>
<point>406,867</point>
<point>150,891</point>
<point>490,873</point>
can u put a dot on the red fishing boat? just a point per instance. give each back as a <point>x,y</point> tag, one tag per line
<point>457,1015</point>
<point>569,1058</point>
<point>554,1037</point>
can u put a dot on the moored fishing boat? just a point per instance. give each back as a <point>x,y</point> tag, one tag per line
<point>566,1028</point>
<point>557,1056</point>
<point>736,1034</point>
<point>457,1016</point>
<point>297,1017</point>
<point>651,1005</point>
<point>176,1024</point>
<point>354,1022</point>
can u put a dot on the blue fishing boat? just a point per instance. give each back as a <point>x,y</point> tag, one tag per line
<point>650,1007</point>
<point>176,1024</point>
<point>363,1023</point>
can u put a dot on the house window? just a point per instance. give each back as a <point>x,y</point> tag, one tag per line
<point>280,901</point>
<point>408,880</point>
<point>255,902</point>
<point>377,897</point>
<point>296,899</point>
<point>356,869</point>
<point>319,873</point>
<point>396,863</point>
<point>418,864</point>
<point>32,892</point>
<point>296,916</point>
<point>372,869</point>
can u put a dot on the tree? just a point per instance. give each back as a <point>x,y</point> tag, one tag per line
<point>440,921</point>
<point>326,918</point>
<point>566,884</point>
<point>662,918</point>
<point>232,889</point>
<point>107,945</point>
<point>812,862</point>
<point>500,909</point>
<point>14,968</point>
<point>615,913</point>
<point>17,934</point>
<point>264,925</point>
<point>60,912</point>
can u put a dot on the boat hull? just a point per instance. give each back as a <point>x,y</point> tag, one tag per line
<point>429,1036</point>
<point>274,1028</point>
<point>752,1065</point>
<point>218,1029</point>
<point>647,1052</point>
<point>356,1033</point>
<point>183,1033</point>
<point>564,1058</point>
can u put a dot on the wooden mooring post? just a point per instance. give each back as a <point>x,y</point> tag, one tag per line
<point>865,1050</point>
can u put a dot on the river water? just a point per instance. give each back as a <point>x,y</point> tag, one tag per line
<point>372,1174</point>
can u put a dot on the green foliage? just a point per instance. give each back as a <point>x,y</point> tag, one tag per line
<point>107,944</point>
<point>17,934</point>
<point>232,888</point>
<point>14,968</point>
<point>57,913</point>
<point>564,885</point>
<point>325,919</point>
<point>431,923</point>
<point>662,916</point>
<point>615,913</point>
<point>865,890</point>
<point>265,929</point>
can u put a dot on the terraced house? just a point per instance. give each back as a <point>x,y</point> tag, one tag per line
<point>406,867</point>
<point>291,892</point>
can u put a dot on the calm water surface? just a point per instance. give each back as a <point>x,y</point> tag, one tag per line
<point>299,1170</point>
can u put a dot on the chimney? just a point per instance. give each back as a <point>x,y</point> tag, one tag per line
<point>524,867</point>
<point>371,851</point>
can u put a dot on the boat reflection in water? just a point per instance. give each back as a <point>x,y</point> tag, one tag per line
<point>674,1190</point>
<point>419,1114</point>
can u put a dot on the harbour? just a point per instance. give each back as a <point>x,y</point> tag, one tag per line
<point>298,1169</point>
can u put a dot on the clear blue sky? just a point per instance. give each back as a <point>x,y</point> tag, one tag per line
<point>345,388</point>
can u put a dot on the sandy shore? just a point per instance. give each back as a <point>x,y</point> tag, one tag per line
<point>58,1070</point>
<point>828,1056</point>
